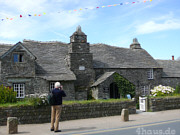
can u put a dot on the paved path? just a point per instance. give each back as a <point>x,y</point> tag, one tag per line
<point>94,124</point>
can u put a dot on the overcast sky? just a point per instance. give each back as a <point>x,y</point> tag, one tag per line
<point>156,24</point>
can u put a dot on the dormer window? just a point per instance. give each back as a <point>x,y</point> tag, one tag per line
<point>18,57</point>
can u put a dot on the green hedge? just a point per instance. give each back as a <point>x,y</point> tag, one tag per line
<point>7,95</point>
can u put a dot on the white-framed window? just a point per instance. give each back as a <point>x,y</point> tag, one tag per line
<point>144,90</point>
<point>150,74</point>
<point>20,89</point>
<point>51,86</point>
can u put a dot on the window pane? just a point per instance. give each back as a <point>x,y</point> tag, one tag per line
<point>19,88</point>
<point>15,57</point>
<point>51,85</point>
<point>150,74</point>
<point>20,58</point>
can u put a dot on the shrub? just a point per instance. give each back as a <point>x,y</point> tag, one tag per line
<point>7,95</point>
<point>41,100</point>
<point>162,90</point>
<point>124,86</point>
<point>177,90</point>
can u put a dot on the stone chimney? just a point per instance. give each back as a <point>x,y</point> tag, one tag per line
<point>173,57</point>
<point>135,44</point>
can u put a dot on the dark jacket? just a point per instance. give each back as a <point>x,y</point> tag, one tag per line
<point>58,94</point>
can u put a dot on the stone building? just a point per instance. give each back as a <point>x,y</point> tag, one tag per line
<point>33,67</point>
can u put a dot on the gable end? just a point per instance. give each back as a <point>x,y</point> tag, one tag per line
<point>14,47</point>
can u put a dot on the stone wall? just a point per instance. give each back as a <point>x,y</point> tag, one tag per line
<point>160,104</point>
<point>31,115</point>
<point>173,82</point>
<point>25,69</point>
<point>136,76</point>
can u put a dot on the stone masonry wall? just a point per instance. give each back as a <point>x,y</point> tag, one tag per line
<point>160,104</point>
<point>136,76</point>
<point>173,82</point>
<point>31,115</point>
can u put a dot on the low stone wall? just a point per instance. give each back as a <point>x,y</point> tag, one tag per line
<point>31,115</point>
<point>160,104</point>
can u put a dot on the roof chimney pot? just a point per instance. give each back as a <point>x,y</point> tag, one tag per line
<point>135,44</point>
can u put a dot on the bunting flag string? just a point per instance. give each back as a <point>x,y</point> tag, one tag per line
<point>81,9</point>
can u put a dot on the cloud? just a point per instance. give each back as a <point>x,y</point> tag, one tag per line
<point>31,27</point>
<point>153,26</point>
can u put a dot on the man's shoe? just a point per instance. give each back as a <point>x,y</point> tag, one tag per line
<point>57,131</point>
<point>52,129</point>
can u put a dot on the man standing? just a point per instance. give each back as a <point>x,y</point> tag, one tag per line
<point>56,108</point>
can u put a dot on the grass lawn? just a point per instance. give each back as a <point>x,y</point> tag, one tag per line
<point>29,103</point>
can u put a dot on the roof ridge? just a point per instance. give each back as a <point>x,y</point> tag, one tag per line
<point>29,40</point>
<point>110,46</point>
<point>167,60</point>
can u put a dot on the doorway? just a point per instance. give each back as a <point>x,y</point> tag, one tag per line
<point>114,93</point>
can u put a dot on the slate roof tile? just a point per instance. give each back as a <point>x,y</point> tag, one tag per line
<point>171,68</point>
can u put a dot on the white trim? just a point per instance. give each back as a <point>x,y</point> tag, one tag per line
<point>144,90</point>
<point>20,89</point>
<point>51,86</point>
<point>150,74</point>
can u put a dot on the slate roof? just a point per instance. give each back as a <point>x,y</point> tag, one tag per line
<point>103,78</point>
<point>50,62</point>
<point>4,48</point>
<point>171,68</point>
<point>106,56</point>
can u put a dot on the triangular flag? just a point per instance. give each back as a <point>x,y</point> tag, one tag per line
<point>150,0</point>
<point>7,18</point>
<point>145,1</point>
<point>35,14</point>
<point>29,15</point>
<point>133,2</point>
<point>114,5</point>
<point>103,6</point>
<point>44,13</point>
<point>75,10</point>
<point>39,15</point>
<point>97,7</point>
<point>20,15</point>
<point>80,9</point>
<point>2,19</point>
<point>11,18</point>
<point>109,5</point>
<point>121,3</point>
